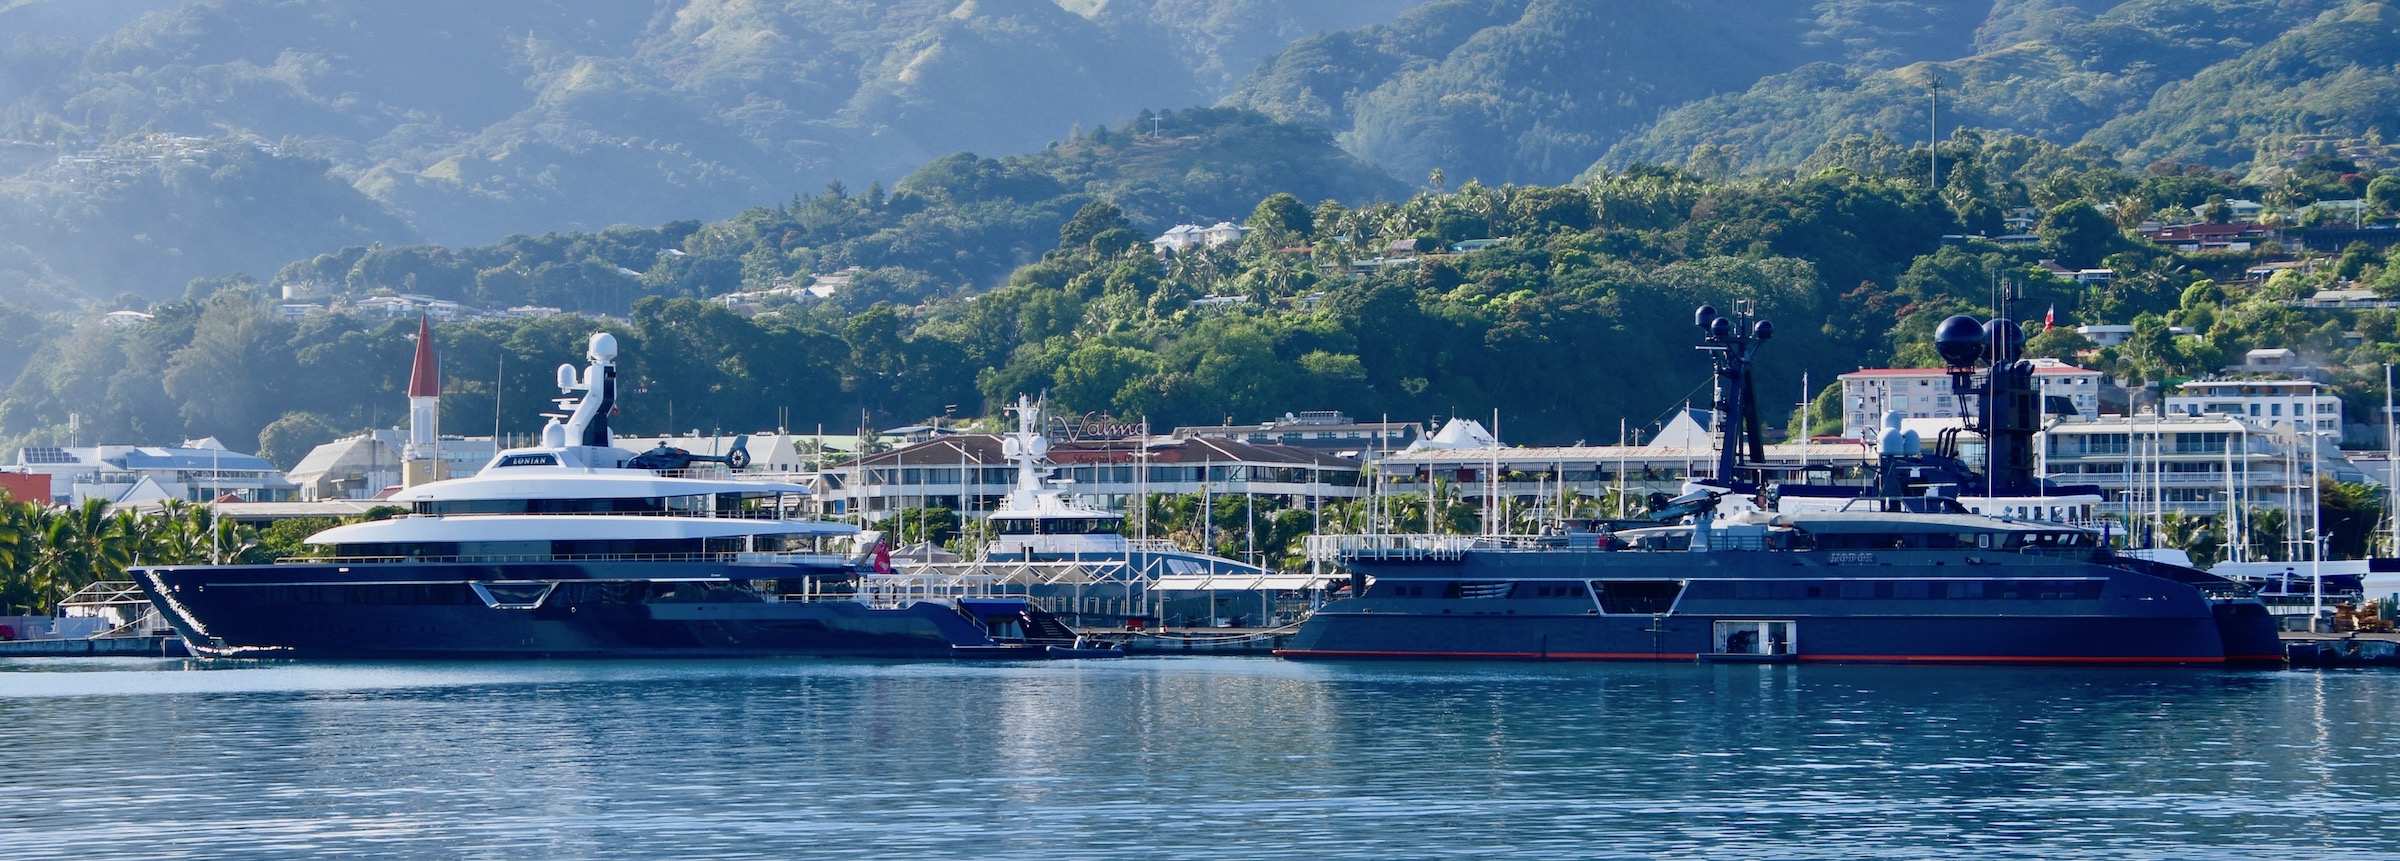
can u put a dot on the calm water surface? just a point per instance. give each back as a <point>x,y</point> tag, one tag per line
<point>1189,758</point>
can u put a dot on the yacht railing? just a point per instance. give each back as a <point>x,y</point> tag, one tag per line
<point>743,557</point>
<point>744,514</point>
<point>1334,548</point>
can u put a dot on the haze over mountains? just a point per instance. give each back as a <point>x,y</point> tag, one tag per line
<point>147,142</point>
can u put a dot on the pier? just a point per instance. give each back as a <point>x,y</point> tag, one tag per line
<point>2305,649</point>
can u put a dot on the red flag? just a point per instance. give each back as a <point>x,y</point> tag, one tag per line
<point>883,558</point>
<point>2049,318</point>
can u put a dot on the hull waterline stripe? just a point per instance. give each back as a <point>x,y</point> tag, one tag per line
<point>1564,656</point>
<point>1687,656</point>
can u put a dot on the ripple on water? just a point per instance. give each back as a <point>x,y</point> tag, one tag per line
<point>1184,757</point>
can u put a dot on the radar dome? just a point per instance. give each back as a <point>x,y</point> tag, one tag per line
<point>2007,342</point>
<point>1720,329</point>
<point>604,346</point>
<point>1705,314</point>
<point>1959,339</point>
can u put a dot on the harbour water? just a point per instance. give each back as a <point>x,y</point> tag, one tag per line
<point>1189,757</point>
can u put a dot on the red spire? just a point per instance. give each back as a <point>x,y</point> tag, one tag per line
<point>425,380</point>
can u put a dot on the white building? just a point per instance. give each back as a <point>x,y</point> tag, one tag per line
<point>970,471</point>
<point>2303,405</point>
<point>361,466</point>
<point>1924,393</point>
<point>2112,334</point>
<point>1185,237</point>
<point>2222,467</point>
<point>195,471</point>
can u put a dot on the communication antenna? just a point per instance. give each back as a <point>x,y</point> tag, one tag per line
<point>1933,142</point>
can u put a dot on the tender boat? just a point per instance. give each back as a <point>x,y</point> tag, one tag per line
<point>1075,558</point>
<point>577,548</point>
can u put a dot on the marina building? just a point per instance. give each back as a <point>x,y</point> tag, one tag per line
<point>2284,404</point>
<point>1322,430</point>
<point>970,473</point>
<point>194,471</point>
<point>362,466</point>
<point>1925,393</point>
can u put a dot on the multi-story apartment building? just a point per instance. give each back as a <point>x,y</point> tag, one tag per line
<point>2284,404</point>
<point>1925,393</point>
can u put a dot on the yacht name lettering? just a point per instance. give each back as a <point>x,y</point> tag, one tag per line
<point>1093,426</point>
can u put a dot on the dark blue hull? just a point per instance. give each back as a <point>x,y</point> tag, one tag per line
<point>1783,606</point>
<point>610,610</point>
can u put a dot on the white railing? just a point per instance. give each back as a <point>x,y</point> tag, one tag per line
<point>813,559</point>
<point>1333,548</point>
<point>748,557</point>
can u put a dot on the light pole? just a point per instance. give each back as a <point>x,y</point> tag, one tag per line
<point>1933,141</point>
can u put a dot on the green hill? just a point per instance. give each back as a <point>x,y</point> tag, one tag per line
<point>2065,75</point>
<point>2336,79</point>
<point>465,121</point>
<point>1519,90</point>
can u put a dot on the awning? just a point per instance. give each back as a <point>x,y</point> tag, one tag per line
<point>1237,582</point>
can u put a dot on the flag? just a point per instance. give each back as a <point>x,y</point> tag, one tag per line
<point>883,558</point>
<point>2050,318</point>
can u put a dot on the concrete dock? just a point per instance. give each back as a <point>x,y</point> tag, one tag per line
<point>2306,649</point>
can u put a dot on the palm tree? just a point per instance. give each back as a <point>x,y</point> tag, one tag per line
<point>20,530</point>
<point>2200,537</point>
<point>2266,529</point>
<point>79,546</point>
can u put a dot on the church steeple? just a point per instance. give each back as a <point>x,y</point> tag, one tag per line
<point>425,380</point>
<point>421,461</point>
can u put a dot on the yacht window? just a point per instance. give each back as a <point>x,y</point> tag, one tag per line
<point>1637,596</point>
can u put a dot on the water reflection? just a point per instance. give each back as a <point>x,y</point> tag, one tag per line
<point>1183,757</point>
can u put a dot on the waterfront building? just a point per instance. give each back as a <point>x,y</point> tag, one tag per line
<point>24,487</point>
<point>362,466</point>
<point>1517,479</point>
<point>1923,393</point>
<point>970,473</point>
<point>194,471</point>
<point>1322,430</point>
<point>2287,404</point>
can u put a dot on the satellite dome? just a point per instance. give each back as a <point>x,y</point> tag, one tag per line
<point>2006,341</point>
<point>1960,340</point>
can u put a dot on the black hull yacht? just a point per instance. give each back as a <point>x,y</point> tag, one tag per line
<point>578,549</point>
<point>1896,577</point>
